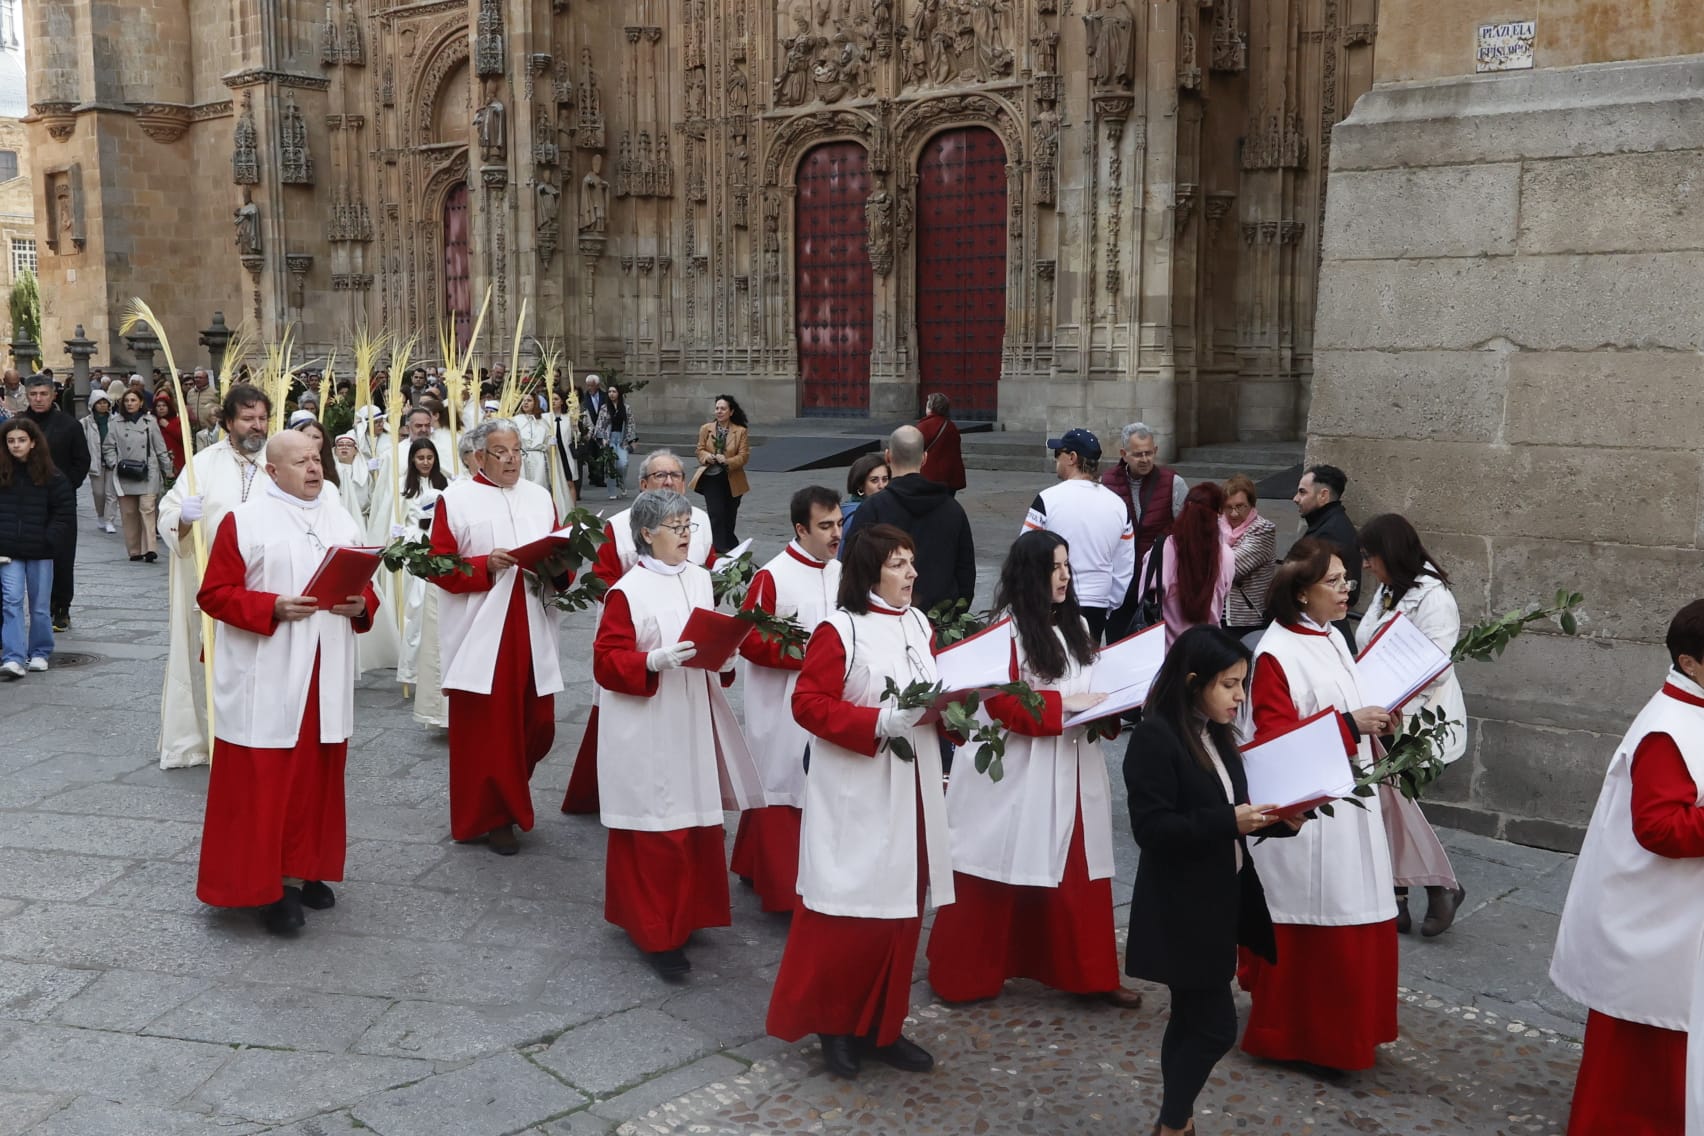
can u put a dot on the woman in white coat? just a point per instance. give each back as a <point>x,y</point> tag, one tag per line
<point>1032,854</point>
<point>667,743</point>
<point>1412,584</point>
<point>1330,999</point>
<point>422,485</point>
<point>535,427</point>
<point>874,833</point>
<point>564,469</point>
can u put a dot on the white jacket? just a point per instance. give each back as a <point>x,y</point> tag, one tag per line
<point>1431,607</point>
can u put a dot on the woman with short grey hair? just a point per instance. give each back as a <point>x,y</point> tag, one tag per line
<point>667,742</point>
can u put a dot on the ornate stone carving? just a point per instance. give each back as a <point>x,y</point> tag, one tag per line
<point>1185,207</point>
<point>354,41</point>
<point>563,81</point>
<point>594,198</point>
<point>589,127</point>
<point>644,167</point>
<point>494,177</point>
<point>491,120</point>
<point>624,165</point>
<point>796,132</point>
<point>878,224</point>
<point>245,151</point>
<point>331,50</point>
<point>1230,44</point>
<point>1046,156</point>
<point>348,219</point>
<point>1275,142</point>
<point>545,152</point>
<point>546,220</point>
<point>739,91</point>
<point>247,220</point>
<point>488,46</point>
<point>792,83</point>
<point>665,166</point>
<point>1111,27</point>
<point>1290,232</point>
<point>351,281</point>
<point>295,161</point>
<point>928,115</point>
<point>59,118</point>
<point>1218,208</point>
<point>163,122</point>
<point>1188,59</point>
<point>298,265</point>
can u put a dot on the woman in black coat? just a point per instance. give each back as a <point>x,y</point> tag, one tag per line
<point>1197,896</point>
<point>38,510</point>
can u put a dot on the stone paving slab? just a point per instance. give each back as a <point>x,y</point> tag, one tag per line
<point>623,1049</point>
<point>491,1097</point>
<point>272,1016</point>
<point>275,1087</point>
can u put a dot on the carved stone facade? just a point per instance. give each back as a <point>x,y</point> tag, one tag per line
<point>1158,213</point>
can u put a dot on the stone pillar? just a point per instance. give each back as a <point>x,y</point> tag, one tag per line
<point>143,343</point>
<point>216,338</point>
<point>81,349</point>
<point>24,349</point>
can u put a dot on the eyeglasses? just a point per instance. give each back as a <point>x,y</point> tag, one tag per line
<point>1341,584</point>
<point>686,528</point>
<point>668,475</point>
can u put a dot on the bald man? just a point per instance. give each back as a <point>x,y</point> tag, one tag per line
<point>946,554</point>
<point>284,700</point>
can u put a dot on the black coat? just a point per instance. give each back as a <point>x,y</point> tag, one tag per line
<point>66,443</point>
<point>936,523</point>
<point>36,521</point>
<point>1191,908</point>
<point>1330,523</point>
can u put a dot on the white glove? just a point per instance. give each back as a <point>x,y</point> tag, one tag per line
<point>190,511</point>
<point>893,722</point>
<point>373,465</point>
<point>668,658</point>
<point>399,531</point>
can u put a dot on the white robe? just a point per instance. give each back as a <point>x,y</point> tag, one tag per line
<point>805,591</point>
<point>431,708</point>
<point>220,482</point>
<point>470,626</point>
<point>858,838</point>
<point>1633,923</point>
<point>1018,831</point>
<point>676,759</point>
<point>356,482</point>
<point>381,648</point>
<point>535,448</point>
<point>564,469</point>
<point>1336,871</point>
<point>261,683</point>
<point>414,644</point>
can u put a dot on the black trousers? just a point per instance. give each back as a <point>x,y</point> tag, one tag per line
<point>1095,617</point>
<point>1202,1029</point>
<point>724,509</point>
<point>64,583</point>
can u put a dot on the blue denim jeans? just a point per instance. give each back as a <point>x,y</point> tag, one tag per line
<point>618,483</point>
<point>26,585</point>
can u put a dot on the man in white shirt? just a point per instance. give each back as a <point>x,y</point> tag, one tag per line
<point>1093,521</point>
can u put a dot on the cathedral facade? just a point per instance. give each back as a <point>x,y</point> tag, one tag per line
<point>1049,210</point>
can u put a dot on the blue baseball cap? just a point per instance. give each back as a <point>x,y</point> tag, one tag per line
<point>1078,441</point>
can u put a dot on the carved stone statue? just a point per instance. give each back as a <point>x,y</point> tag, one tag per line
<point>1111,33</point>
<point>989,57</point>
<point>594,198</point>
<point>247,220</point>
<point>491,121</point>
<point>878,221</point>
<point>1047,156</point>
<point>549,200</point>
<point>792,85</point>
<point>934,42</point>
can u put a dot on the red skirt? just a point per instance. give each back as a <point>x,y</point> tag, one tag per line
<point>1330,999</point>
<point>660,887</point>
<point>582,795</point>
<point>272,813</point>
<point>1060,936</point>
<point>1632,1080</point>
<point>841,975</point>
<point>766,852</point>
<point>497,739</point>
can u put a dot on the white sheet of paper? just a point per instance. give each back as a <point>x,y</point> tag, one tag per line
<point>1305,764</point>
<point>980,661</point>
<point>733,554</point>
<point>1124,671</point>
<point>1399,661</point>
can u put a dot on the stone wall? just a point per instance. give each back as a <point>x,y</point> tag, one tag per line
<point>1508,352</point>
<point>17,212</point>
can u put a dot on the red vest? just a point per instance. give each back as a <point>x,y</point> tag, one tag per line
<point>1156,519</point>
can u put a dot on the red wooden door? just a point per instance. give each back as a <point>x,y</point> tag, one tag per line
<point>961,269</point>
<point>458,283</point>
<point>834,285</point>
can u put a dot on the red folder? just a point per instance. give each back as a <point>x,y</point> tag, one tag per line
<point>343,573</point>
<point>716,636</point>
<point>531,555</point>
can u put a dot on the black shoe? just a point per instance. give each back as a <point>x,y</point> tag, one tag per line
<point>840,1054</point>
<point>503,841</point>
<point>137,559</point>
<point>62,621</point>
<point>317,895</point>
<point>904,1054</point>
<point>671,966</point>
<point>1404,921</point>
<point>1441,906</point>
<point>285,917</point>
<point>150,557</point>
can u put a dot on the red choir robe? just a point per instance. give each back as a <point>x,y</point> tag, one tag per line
<point>1331,998</point>
<point>272,811</point>
<point>1632,1079</point>
<point>1020,908</point>
<point>496,739</point>
<point>850,951</point>
<point>615,557</point>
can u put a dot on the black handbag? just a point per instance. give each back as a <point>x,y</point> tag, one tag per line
<point>134,469</point>
<point>1148,610</point>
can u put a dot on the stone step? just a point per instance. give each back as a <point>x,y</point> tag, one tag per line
<point>1276,454</point>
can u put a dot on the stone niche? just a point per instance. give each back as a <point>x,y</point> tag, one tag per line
<point>1509,353</point>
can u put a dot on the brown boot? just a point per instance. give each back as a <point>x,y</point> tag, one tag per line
<point>1441,907</point>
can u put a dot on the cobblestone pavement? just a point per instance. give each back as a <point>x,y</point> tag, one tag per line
<point>454,992</point>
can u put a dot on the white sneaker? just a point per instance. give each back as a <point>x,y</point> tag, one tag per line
<point>37,664</point>
<point>12,670</point>
<point>110,527</point>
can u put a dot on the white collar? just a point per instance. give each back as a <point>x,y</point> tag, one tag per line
<point>1676,679</point>
<point>272,490</point>
<point>1308,621</point>
<point>879,604</point>
<point>660,568</point>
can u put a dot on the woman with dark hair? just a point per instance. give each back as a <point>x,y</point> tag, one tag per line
<point>38,512</point>
<point>1628,944</point>
<point>1196,564</point>
<point>421,487</point>
<point>723,450</point>
<point>134,440</point>
<point>1412,584</point>
<point>943,451</point>
<point>617,430</point>
<point>1032,854</point>
<point>868,476</point>
<point>874,831</point>
<point>1198,897</point>
<point>1253,541</point>
<point>425,479</point>
<point>328,456</point>
<point>171,429</point>
<point>1330,999</point>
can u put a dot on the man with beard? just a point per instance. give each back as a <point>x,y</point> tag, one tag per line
<point>285,700</point>
<point>227,474</point>
<point>69,448</point>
